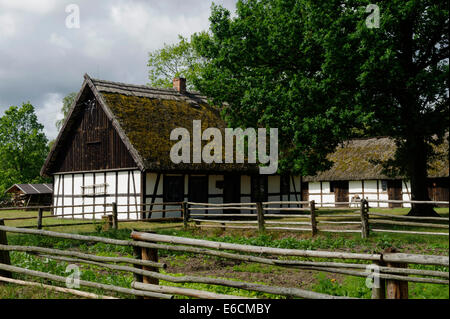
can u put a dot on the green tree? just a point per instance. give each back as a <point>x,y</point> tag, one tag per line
<point>319,73</point>
<point>23,147</point>
<point>174,60</point>
<point>67,103</point>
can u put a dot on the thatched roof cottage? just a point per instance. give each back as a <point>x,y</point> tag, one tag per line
<point>114,147</point>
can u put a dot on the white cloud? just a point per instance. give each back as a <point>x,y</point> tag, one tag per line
<point>41,60</point>
<point>33,6</point>
<point>96,46</point>
<point>60,41</point>
<point>8,25</point>
<point>49,112</point>
<point>150,27</point>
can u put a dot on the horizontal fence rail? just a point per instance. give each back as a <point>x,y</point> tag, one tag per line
<point>392,269</point>
<point>261,216</point>
<point>390,266</point>
<point>146,273</point>
<point>360,221</point>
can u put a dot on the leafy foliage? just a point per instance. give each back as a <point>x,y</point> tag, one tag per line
<point>174,60</point>
<point>67,103</point>
<point>23,147</point>
<point>318,73</point>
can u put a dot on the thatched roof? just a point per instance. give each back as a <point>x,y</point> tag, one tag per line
<point>148,115</point>
<point>144,118</point>
<point>355,160</point>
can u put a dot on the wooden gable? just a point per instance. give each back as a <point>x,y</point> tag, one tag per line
<point>93,142</point>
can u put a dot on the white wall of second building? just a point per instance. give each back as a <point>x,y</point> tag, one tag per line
<point>406,192</point>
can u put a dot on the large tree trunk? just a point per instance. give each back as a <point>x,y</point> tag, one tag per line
<point>418,173</point>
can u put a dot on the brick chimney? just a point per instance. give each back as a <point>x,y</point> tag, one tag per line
<point>179,84</point>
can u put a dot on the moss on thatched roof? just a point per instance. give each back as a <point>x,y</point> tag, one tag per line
<point>358,160</point>
<point>147,116</point>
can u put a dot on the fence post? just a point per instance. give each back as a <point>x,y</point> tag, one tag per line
<point>114,214</point>
<point>396,289</point>
<point>185,208</point>
<point>152,255</point>
<point>137,255</point>
<point>4,254</point>
<point>379,284</point>
<point>312,208</point>
<point>260,216</point>
<point>364,219</point>
<point>107,222</point>
<point>39,221</point>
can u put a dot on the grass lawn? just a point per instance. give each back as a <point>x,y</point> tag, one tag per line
<point>189,264</point>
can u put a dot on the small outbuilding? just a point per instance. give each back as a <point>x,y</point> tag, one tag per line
<point>24,195</point>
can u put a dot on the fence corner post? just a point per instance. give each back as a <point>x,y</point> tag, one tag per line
<point>379,284</point>
<point>137,255</point>
<point>260,216</point>
<point>364,218</point>
<point>4,254</point>
<point>186,216</point>
<point>39,220</point>
<point>312,209</point>
<point>114,214</point>
<point>107,221</point>
<point>150,254</point>
<point>396,289</point>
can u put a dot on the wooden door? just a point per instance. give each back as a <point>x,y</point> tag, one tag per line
<point>198,189</point>
<point>340,192</point>
<point>231,191</point>
<point>305,192</point>
<point>395,192</point>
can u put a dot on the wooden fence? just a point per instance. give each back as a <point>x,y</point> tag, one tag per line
<point>307,218</point>
<point>303,217</point>
<point>109,217</point>
<point>388,269</point>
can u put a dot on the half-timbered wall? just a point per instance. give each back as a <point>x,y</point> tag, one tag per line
<point>77,189</point>
<point>154,197</point>
<point>374,190</point>
<point>369,189</point>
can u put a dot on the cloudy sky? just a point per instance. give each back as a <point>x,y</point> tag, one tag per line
<point>42,60</point>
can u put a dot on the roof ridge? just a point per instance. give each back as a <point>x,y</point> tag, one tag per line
<point>145,87</point>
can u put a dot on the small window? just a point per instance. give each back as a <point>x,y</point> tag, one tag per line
<point>284,185</point>
<point>384,186</point>
<point>94,190</point>
<point>173,188</point>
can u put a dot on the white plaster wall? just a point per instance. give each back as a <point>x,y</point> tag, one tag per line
<point>370,186</point>
<point>328,200</point>
<point>212,181</point>
<point>315,198</point>
<point>150,184</point>
<point>313,188</point>
<point>88,201</point>
<point>294,186</point>
<point>355,187</point>
<point>406,195</point>
<point>122,185</point>
<point>325,187</point>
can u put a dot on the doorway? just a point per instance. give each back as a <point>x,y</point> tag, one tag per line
<point>231,191</point>
<point>198,189</point>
